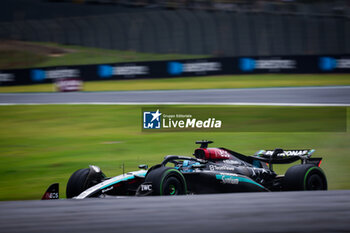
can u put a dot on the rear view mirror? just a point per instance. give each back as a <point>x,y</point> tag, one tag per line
<point>143,166</point>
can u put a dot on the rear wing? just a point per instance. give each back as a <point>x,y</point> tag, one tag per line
<point>280,156</point>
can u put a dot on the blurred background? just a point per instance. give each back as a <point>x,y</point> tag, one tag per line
<point>42,144</point>
<point>204,27</point>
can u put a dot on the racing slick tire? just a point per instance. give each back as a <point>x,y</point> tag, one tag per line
<point>166,181</point>
<point>305,177</point>
<point>80,181</point>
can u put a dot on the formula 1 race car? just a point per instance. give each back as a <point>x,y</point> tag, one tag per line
<point>212,170</point>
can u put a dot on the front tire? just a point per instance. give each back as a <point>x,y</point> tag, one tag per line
<point>81,180</point>
<point>167,181</point>
<point>305,177</point>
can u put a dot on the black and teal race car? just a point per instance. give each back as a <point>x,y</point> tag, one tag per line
<point>211,170</point>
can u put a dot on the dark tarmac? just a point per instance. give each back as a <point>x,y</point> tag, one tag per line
<point>318,211</point>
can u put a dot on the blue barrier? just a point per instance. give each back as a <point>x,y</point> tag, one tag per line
<point>180,68</point>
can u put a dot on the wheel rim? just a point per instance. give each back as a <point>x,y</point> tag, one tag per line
<point>172,189</point>
<point>315,183</point>
<point>172,183</point>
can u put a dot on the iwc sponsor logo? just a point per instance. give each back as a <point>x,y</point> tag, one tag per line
<point>146,187</point>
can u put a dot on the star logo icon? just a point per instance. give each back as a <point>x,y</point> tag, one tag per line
<point>156,115</point>
<point>151,120</point>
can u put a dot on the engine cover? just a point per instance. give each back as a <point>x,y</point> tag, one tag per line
<point>212,154</point>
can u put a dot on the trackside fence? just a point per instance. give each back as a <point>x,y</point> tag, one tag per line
<point>219,33</point>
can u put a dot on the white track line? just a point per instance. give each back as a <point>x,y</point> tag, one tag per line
<point>185,103</point>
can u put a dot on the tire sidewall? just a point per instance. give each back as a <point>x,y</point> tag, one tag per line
<point>77,182</point>
<point>297,177</point>
<point>81,180</point>
<point>314,171</point>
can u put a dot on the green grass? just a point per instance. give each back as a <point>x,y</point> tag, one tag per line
<point>17,59</point>
<point>40,145</point>
<point>77,55</point>
<point>225,81</point>
<point>85,56</point>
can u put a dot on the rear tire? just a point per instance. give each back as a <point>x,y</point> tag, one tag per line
<point>305,177</point>
<point>167,181</point>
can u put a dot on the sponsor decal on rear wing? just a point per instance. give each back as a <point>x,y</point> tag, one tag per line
<point>287,153</point>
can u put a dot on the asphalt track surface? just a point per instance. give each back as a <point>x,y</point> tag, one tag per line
<point>318,211</point>
<point>335,95</point>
